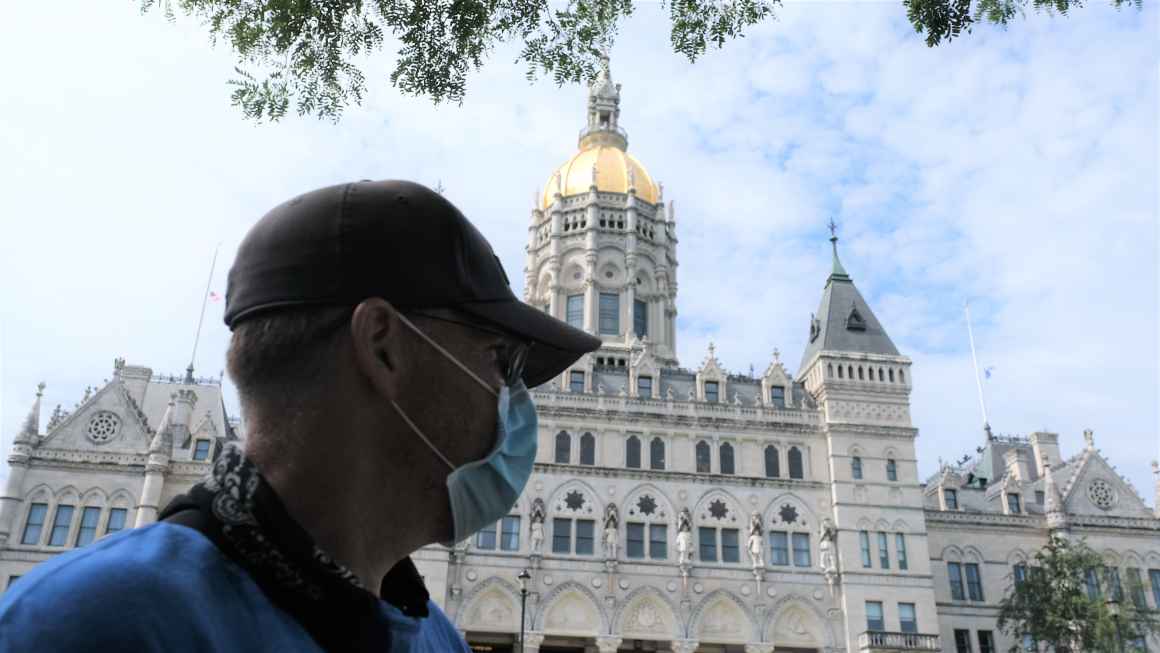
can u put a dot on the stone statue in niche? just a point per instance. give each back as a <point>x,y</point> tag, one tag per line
<point>611,531</point>
<point>685,537</point>
<point>755,546</point>
<point>537,525</point>
<point>827,539</point>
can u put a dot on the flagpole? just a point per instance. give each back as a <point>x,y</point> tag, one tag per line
<point>201,319</point>
<point>975,360</point>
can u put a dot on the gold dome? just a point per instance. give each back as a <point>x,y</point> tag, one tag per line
<point>612,175</point>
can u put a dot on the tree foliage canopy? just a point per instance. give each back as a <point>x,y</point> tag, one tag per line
<point>1052,603</point>
<point>304,51</point>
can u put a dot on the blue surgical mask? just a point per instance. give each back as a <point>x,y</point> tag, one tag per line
<point>485,490</point>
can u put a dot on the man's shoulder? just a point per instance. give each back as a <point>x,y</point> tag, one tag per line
<point>120,590</point>
<point>163,556</point>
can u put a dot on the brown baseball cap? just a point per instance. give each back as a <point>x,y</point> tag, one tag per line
<point>397,240</point>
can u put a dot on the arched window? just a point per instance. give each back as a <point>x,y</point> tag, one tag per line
<point>829,370</point>
<point>891,470</point>
<point>841,374</point>
<point>587,449</point>
<point>656,454</point>
<point>726,458</point>
<point>563,447</point>
<point>771,462</point>
<point>901,377</point>
<point>881,377</point>
<point>892,376</point>
<point>856,467</point>
<point>850,372</point>
<point>632,452</point>
<point>703,457</point>
<point>860,377</point>
<point>795,463</point>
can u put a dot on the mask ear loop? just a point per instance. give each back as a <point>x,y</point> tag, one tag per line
<point>422,437</point>
<point>448,355</point>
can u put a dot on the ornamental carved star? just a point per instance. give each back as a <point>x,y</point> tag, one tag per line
<point>646,505</point>
<point>788,514</point>
<point>718,509</point>
<point>574,500</point>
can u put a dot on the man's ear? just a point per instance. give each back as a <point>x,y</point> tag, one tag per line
<point>374,330</point>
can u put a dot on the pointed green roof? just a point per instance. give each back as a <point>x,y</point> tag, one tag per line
<point>844,321</point>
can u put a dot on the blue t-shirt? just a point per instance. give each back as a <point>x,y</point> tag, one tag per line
<point>167,588</point>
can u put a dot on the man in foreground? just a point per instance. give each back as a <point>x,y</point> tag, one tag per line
<point>381,360</point>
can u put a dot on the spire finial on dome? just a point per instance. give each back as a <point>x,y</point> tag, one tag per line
<point>837,270</point>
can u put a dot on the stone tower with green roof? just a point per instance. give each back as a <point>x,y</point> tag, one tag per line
<point>862,387</point>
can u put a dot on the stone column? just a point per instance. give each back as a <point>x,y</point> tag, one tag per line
<point>532,642</point>
<point>608,643</point>
<point>12,499</point>
<point>151,492</point>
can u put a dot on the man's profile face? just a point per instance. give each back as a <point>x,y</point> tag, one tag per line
<point>452,409</point>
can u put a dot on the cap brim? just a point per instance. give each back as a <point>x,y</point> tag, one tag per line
<point>555,344</point>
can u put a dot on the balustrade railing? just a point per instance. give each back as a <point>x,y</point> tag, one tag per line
<point>876,640</point>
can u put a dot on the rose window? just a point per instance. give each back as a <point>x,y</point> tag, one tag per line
<point>103,427</point>
<point>1101,494</point>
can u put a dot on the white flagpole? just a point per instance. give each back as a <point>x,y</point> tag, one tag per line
<point>201,319</point>
<point>975,360</point>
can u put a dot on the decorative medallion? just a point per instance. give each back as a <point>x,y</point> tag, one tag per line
<point>745,590</point>
<point>646,505</point>
<point>471,575</point>
<point>771,592</point>
<point>103,427</point>
<point>548,580</point>
<point>574,500</point>
<point>1102,494</point>
<point>623,584</point>
<point>788,514</point>
<point>718,509</point>
<point>596,582</point>
<point>672,587</point>
<point>698,588</point>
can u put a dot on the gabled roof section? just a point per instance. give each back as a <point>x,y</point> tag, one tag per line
<point>844,321</point>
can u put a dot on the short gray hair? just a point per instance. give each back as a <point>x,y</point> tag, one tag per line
<point>276,356</point>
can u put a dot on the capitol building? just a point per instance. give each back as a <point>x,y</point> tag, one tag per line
<point>673,508</point>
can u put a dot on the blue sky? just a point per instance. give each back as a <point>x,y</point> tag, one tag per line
<point>1017,169</point>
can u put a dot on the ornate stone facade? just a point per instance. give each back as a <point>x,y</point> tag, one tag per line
<point>671,509</point>
<point>110,463</point>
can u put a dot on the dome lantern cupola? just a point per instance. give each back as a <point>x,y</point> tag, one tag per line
<point>603,162</point>
<point>603,112</point>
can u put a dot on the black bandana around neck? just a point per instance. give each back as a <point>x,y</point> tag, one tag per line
<point>238,510</point>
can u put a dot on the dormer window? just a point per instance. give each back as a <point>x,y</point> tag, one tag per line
<point>201,450</point>
<point>951,499</point>
<point>1013,506</point>
<point>854,321</point>
<point>777,395</point>
<point>644,387</point>
<point>711,391</point>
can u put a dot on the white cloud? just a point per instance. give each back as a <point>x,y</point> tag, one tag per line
<point>1017,168</point>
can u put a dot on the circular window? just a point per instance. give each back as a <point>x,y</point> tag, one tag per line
<point>103,427</point>
<point>1102,494</point>
<point>608,274</point>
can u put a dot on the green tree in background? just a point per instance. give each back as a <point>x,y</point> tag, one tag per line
<point>305,50</point>
<point>1067,600</point>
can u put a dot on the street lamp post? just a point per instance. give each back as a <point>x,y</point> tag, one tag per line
<point>524,577</point>
<point>1113,604</point>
